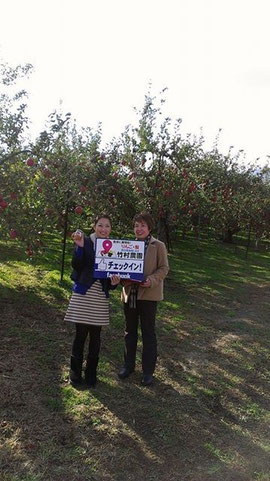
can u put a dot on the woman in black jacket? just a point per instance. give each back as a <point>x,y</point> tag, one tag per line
<point>89,304</point>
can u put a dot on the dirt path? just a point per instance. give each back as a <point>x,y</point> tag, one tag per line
<point>204,419</point>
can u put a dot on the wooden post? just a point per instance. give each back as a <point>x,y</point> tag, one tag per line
<point>64,242</point>
<point>249,237</point>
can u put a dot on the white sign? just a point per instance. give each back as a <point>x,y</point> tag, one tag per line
<point>122,257</point>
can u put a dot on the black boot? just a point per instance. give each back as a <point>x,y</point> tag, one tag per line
<point>75,373</point>
<point>91,371</point>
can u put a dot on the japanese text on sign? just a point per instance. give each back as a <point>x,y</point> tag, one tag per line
<point>122,257</point>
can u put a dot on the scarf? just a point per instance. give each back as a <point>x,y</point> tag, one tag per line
<point>132,300</point>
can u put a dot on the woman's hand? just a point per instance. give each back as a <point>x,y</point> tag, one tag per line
<point>146,283</point>
<point>115,279</point>
<point>126,282</point>
<point>78,238</point>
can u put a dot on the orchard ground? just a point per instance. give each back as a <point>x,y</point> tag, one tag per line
<point>204,419</point>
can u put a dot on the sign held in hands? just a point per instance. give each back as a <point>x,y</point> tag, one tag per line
<point>122,257</point>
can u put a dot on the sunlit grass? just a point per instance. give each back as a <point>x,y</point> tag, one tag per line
<point>207,409</point>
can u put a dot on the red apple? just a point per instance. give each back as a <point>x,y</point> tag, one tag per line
<point>30,162</point>
<point>39,189</point>
<point>78,209</point>
<point>47,173</point>
<point>192,187</point>
<point>161,211</point>
<point>3,204</point>
<point>13,234</point>
<point>83,189</point>
<point>13,195</point>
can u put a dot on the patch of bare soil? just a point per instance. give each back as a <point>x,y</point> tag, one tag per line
<point>204,419</point>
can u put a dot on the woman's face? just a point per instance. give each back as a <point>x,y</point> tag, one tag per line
<point>141,230</point>
<point>103,228</point>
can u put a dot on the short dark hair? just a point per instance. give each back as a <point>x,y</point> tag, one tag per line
<point>144,217</point>
<point>102,216</point>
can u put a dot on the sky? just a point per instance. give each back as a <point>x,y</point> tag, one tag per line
<point>96,58</point>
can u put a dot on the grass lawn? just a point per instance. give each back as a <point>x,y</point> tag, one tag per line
<point>206,416</point>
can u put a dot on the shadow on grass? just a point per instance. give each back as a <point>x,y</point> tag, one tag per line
<point>215,263</point>
<point>204,418</point>
<point>188,425</point>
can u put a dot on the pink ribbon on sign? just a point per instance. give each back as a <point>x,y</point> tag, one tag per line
<point>107,245</point>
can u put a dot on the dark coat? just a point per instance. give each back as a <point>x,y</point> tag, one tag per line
<point>83,267</point>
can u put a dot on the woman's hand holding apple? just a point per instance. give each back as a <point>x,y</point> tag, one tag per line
<point>78,238</point>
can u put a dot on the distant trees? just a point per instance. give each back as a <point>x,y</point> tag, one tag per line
<point>64,177</point>
<point>188,188</point>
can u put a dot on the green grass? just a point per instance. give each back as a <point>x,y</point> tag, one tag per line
<point>204,419</point>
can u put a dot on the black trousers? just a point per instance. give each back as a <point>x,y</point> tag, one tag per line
<point>145,312</point>
<point>82,331</point>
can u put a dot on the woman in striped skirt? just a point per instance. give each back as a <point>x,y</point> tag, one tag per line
<point>89,304</point>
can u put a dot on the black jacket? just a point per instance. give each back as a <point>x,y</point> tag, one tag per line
<point>83,267</point>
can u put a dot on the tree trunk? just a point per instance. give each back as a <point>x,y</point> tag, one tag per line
<point>162,231</point>
<point>184,233</point>
<point>199,228</point>
<point>257,241</point>
<point>64,243</point>
<point>228,236</point>
<point>249,237</point>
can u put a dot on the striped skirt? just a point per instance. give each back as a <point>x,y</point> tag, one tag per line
<point>90,308</point>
